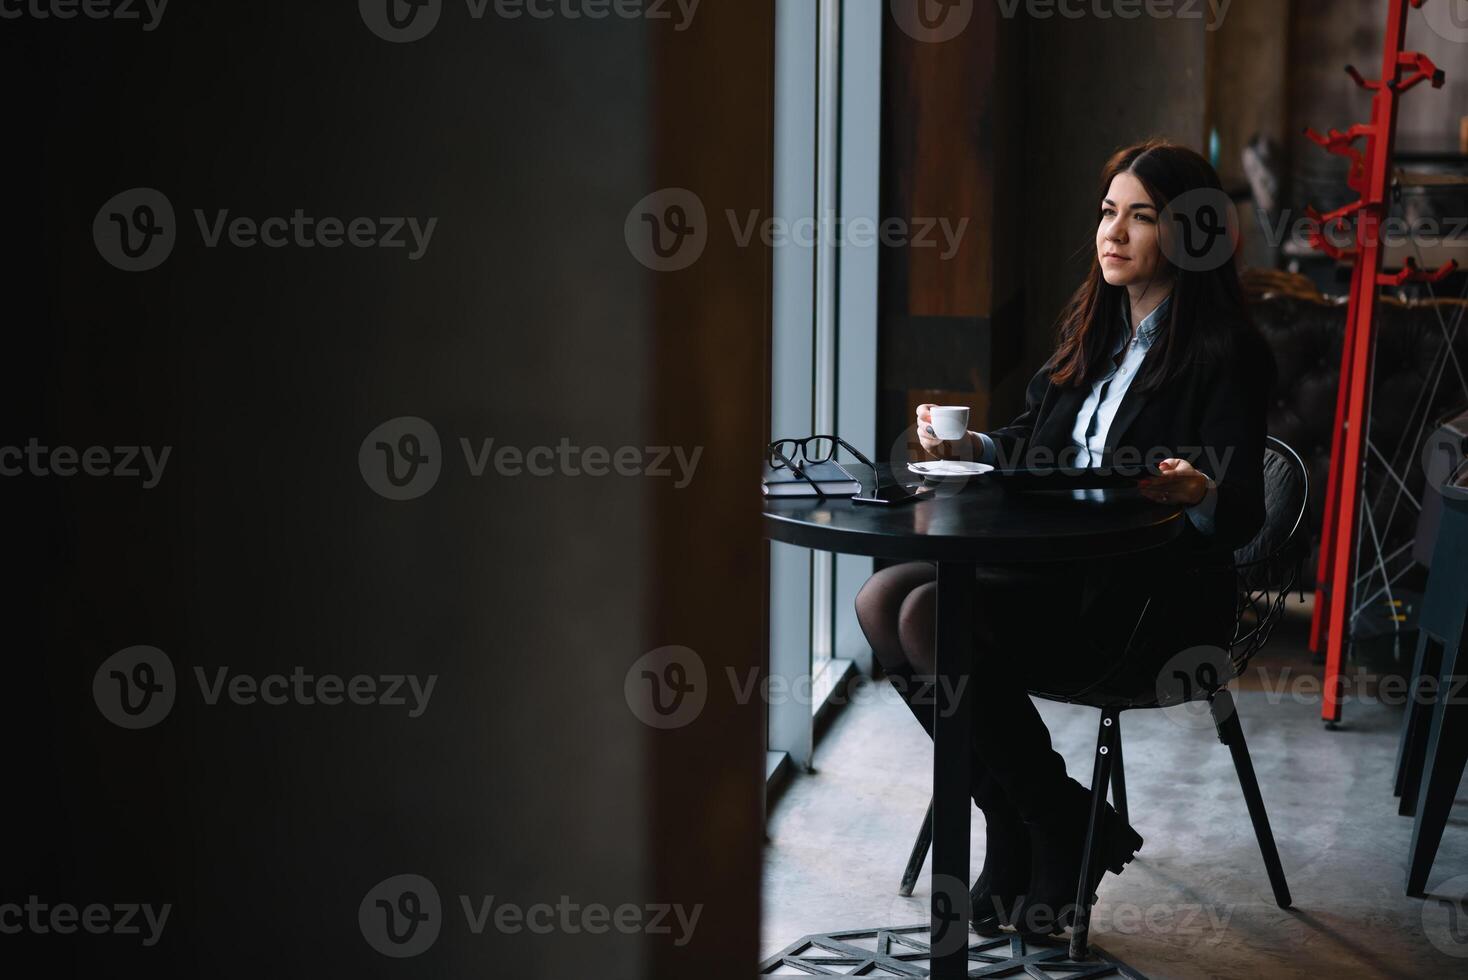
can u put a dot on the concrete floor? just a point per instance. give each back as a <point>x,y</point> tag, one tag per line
<point>1196,901</point>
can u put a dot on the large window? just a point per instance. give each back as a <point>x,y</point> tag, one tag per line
<point>827,132</point>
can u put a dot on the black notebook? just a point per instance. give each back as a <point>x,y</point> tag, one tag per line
<point>784,483</point>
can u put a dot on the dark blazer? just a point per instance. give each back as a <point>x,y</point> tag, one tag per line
<point>1213,415</point>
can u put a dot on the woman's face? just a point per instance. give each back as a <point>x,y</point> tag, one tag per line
<point>1127,242</point>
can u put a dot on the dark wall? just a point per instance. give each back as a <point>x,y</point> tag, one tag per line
<point>264,547</point>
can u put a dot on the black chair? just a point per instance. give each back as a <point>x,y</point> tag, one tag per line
<point>1435,743</point>
<point>1267,570</point>
<point>1439,626</point>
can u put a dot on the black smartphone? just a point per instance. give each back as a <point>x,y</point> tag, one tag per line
<point>896,494</point>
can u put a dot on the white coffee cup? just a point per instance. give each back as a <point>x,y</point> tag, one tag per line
<point>950,421</point>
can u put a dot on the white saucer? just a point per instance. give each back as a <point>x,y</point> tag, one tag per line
<point>948,467</point>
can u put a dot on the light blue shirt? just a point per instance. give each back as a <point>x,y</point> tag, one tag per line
<point>1094,418</point>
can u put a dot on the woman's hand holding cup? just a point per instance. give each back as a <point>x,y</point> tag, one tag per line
<point>941,427</point>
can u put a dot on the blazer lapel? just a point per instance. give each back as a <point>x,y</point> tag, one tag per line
<point>1054,432</point>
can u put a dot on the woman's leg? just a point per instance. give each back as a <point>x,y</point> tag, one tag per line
<point>890,616</point>
<point>1011,742</point>
<point>877,607</point>
<point>890,608</point>
<point>1040,638</point>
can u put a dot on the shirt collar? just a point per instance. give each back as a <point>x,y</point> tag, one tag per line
<point>1151,323</point>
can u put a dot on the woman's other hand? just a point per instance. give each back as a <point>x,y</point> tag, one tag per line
<point>1178,483</point>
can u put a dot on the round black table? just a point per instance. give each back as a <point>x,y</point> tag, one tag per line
<point>964,525</point>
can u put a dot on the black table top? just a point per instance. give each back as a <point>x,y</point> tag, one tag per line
<point>977,521</point>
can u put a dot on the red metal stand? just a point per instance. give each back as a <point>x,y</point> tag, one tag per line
<point>1370,176</point>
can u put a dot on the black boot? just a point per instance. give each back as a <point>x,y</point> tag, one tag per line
<point>1057,845</point>
<point>1005,877</point>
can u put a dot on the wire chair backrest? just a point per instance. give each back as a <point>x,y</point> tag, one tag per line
<point>1271,566</point>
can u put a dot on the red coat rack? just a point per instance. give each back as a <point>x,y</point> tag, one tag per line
<point>1370,175</point>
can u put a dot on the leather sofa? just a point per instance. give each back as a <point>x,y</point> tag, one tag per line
<point>1305,330</point>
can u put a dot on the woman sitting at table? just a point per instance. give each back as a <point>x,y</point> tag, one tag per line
<point>1156,362</point>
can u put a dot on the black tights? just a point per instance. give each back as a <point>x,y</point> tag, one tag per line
<point>1016,771</point>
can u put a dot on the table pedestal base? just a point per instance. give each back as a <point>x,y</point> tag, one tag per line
<point>902,951</point>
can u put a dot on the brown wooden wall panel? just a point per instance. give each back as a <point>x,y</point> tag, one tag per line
<point>938,107</point>
<point>951,327</point>
<point>709,356</point>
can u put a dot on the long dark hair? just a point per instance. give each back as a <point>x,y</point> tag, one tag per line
<point>1206,305</point>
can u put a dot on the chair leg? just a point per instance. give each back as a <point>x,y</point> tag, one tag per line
<point>1118,775</point>
<point>1080,933</point>
<point>1414,679</point>
<point>1231,733</point>
<point>1412,752</point>
<point>919,854</point>
<point>1445,759</point>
